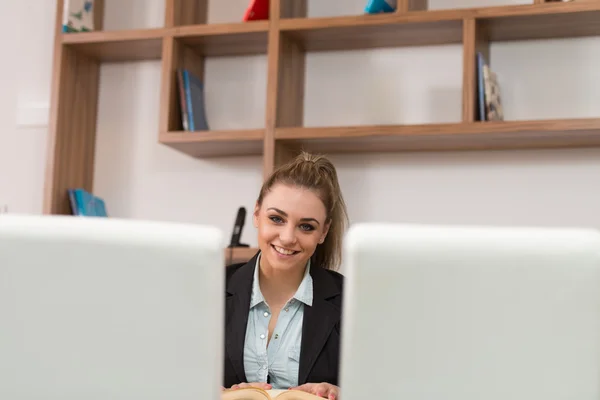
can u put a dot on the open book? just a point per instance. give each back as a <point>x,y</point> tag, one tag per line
<point>260,394</point>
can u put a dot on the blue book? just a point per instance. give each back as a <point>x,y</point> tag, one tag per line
<point>480,87</point>
<point>194,94</point>
<point>85,204</point>
<point>380,6</point>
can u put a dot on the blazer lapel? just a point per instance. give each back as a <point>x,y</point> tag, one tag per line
<point>319,320</point>
<point>237,304</point>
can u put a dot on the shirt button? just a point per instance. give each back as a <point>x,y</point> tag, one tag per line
<point>266,314</point>
<point>264,366</point>
<point>262,336</point>
<point>287,309</point>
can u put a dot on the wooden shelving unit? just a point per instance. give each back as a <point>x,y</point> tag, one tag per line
<point>186,39</point>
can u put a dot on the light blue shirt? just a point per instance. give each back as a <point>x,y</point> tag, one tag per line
<point>281,358</point>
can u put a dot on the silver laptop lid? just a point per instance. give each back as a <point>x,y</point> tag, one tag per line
<point>95,308</point>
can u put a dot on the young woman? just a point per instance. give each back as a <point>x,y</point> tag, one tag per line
<point>283,307</point>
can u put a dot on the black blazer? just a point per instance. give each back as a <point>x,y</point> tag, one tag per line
<point>320,347</point>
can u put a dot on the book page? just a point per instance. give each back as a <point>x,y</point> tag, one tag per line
<point>260,394</point>
<point>245,394</point>
<point>292,395</point>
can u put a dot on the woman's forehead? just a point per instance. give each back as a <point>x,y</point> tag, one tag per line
<point>295,201</point>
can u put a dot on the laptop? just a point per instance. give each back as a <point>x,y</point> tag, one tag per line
<point>95,308</point>
<point>470,313</point>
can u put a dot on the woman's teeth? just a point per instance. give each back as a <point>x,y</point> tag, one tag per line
<point>283,251</point>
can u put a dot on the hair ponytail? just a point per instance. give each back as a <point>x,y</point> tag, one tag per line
<point>317,173</point>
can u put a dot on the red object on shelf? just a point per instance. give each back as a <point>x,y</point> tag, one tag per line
<point>257,10</point>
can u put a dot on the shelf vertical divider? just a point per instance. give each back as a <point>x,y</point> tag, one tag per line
<point>273,69</point>
<point>475,39</point>
<point>285,83</point>
<point>294,8</point>
<point>185,12</point>
<point>72,123</point>
<point>170,111</point>
<point>99,15</point>
<point>411,5</point>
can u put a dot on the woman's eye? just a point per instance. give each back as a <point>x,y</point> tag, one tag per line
<point>275,219</point>
<point>307,227</point>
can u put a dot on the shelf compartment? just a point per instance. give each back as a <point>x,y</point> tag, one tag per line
<point>206,144</point>
<point>541,21</point>
<point>117,46</point>
<point>248,38</point>
<point>375,31</point>
<point>435,27</point>
<point>442,137</point>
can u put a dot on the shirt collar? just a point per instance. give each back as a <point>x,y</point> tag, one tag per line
<point>304,293</point>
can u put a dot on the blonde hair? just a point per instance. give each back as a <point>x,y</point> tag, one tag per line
<point>316,173</point>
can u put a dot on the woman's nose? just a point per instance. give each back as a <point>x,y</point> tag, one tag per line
<point>287,236</point>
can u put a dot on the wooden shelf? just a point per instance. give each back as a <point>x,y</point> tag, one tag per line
<point>216,143</point>
<point>239,254</point>
<point>186,39</point>
<point>114,46</point>
<point>237,39</point>
<point>373,31</point>
<point>439,137</point>
<point>541,21</point>
<point>420,28</point>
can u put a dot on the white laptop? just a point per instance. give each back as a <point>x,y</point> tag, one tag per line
<point>471,313</point>
<point>96,308</point>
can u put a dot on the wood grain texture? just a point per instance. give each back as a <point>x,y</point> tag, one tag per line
<point>371,31</point>
<point>207,144</point>
<point>273,71</point>
<point>72,130</point>
<point>475,39</point>
<point>412,5</point>
<point>115,46</point>
<point>170,109</point>
<point>290,87</point>
<point>419,28</point>
<point>294,9</point>
<point>99,15</point>
<point>72,123</point>
<point>437,137</point>
<point>185,12</point>
<point>50,200</point>
<point>226,39</point>
<point>554,20</point>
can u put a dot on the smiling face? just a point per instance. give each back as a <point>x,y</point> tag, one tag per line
<point>291,222</point>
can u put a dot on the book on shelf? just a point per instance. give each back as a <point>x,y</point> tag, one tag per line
<point>380,6</point>
<point>253,393</point>
<point>191,101</point>
<point>78,16</point>
<point>489,101</point>
<point>257,10</point>
<point>85,204</point>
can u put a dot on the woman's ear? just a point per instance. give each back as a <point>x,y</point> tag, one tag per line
<point>255,215</point>
<point>325,231</point>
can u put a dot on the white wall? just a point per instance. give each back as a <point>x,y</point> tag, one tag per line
<point>25,84</point>
<point>141,179</point>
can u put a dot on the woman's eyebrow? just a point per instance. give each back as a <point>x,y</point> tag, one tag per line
<point>306,219</point>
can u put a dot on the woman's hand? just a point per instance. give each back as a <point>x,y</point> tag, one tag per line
<point>325,390</point>
<point>260,385</point>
